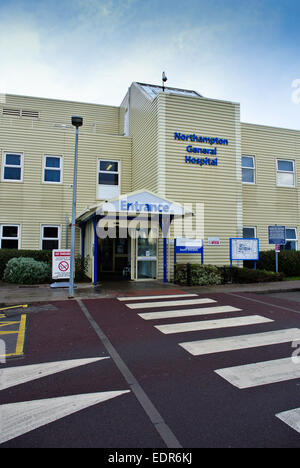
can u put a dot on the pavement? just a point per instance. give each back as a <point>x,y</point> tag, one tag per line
<point>17,294</point>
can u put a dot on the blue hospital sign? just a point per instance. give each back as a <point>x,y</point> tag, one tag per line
<point>277,235</point>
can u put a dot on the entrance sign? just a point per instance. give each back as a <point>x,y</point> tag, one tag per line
<point>61,264</point>
<point>189,246</point>
<point>244,249</point>
<point>277,235</point>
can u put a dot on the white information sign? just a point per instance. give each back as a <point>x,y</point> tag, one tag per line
<point>61,264</point>
<point>244,249</point>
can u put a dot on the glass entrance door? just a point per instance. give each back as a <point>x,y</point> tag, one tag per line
<point>146,255</point>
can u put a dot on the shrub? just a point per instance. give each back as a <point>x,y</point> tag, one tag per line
<point>7,254</point>
<point>27,271</point>
<point>247,275</point>
<point>41,256</point>
<point>288,262</point>
<point>201,275</point>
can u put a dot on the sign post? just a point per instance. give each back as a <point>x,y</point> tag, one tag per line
<point>277,236</point>
<point>187,246</point>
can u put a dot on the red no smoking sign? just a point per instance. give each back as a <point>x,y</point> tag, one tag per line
<point>61,264</point>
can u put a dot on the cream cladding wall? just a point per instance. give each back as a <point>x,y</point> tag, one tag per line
<point>32,203</point>
<point>217,187</point>
<point>264,202</point>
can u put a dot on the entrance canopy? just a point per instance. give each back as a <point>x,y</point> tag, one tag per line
<point>135,203</point>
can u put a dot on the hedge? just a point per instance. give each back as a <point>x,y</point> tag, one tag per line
<point>200,275</point>
<point>40,256</point>
<point>247,275</point>
<point>288,262</point>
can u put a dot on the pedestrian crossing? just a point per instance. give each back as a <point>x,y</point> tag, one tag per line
<point>242,377</point>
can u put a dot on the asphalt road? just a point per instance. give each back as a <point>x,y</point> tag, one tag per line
<point>104,373</point>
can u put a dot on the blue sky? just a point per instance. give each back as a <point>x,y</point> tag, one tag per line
<point>91,50</point>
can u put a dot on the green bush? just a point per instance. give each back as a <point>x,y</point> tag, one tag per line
<point>27,271</point>
<point>201,275</point>
<point>38,255</point>
<point>247,275</point>
<point>288,262</point>
<point>41,256</point>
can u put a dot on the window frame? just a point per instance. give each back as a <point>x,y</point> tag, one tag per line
<point>4,165</point>
<point>251,168</point>
<point>291,240</point>
<point>250,227</point>
<point>118,190</point>
<point>60,169</point>
<point>10,238</point>
<point>285,172</point>
<point>58,226</point>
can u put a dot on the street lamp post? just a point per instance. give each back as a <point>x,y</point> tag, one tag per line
<point>76,122</point>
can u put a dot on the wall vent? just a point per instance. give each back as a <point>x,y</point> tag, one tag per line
<point>9,112</point>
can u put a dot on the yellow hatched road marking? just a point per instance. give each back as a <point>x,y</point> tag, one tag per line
<point>21,336</point>
<point>24,306</point>
<point>9,332</point>
<point>6,324</point>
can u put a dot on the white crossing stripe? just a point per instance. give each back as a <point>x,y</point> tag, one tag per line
<point>161,296</point>
<point>232,343</point>
<point>212,324</point>
<point>188,312</point>
<point>261,373</point>
<point>291,418</point>
<point>149,305</point>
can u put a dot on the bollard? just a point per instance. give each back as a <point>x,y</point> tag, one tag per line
<point>188,274</point>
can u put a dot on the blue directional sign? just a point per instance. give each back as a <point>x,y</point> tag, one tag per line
<point>277,235</point>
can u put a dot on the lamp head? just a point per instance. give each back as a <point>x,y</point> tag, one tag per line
<point>77,121</point>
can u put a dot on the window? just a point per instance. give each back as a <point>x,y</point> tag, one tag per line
<point>285,173</point>
<point>52,169</point>
<point>12,167</point>
<point>50,237</point>
<point>9,236</point>
<point>248,170</point>
<point>249,232</point>
<point>108,179</point>
<point>291,239</point>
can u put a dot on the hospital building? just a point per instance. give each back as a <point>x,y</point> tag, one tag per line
<point>161,151</point>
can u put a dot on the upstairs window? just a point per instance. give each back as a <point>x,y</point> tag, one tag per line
<point>248,170</point>
<point>12,170</point>
<point>108,179</point>
<point>9,236</point>
<point>52,173</point>
<point>50,237</point>
<point>285,176</point>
